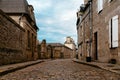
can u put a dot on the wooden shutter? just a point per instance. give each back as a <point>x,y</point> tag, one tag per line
<point>115,31</point>
<point>100,5</point>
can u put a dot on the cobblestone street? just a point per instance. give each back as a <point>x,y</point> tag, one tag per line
<point>60,69</point>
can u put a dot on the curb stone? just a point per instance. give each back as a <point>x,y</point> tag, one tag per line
<point>15,68</point>
<point>96,66</point>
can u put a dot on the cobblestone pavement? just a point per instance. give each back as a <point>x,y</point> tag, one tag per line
<point>60,69</point>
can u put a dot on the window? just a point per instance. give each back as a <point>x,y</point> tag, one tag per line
<point>32,46</point>
<point>28,38</point>
<point>35,40</point>
<point>113,32</point>
<point>100,5</point>
<point>78,20</point>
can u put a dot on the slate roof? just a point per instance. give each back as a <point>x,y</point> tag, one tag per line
<point>14,6</point>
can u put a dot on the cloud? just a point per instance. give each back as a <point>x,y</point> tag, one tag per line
<point>40,5</point>
<point>56,19</point>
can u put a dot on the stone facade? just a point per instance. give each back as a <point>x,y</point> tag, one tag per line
<point>43,50</point>
<point>30,34</point>
<point>83,32</point>
<point>71,44</point>
<point>19,32</point>
<point>97,26</point>
<point>59,51</point>
<point>53,51</point>
<point>11,41</point>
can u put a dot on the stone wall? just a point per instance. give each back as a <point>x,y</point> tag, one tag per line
<point>83,29</point>
<point>59,52</point>
<point>101,27</point>
<point>67,52</point>
<point>100,33</point>
<point>53,51</point>
<point>11,41</point>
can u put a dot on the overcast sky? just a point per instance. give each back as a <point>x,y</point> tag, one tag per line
<point>56,19</point>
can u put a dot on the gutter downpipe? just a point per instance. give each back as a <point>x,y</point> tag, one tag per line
<point>91,31</point>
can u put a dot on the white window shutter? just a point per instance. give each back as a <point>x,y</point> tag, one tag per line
<point>115,31</point>
<point>110,33</point>
<point>100,5</point>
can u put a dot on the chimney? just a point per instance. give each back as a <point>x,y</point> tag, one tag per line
<point>85,1</point>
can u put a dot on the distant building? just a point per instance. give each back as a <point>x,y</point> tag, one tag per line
<point>22,13</point>
<point>43,50</point>
<point>58,50</point>
<point>54,51</point>
<point>71,44</point>
<point>98,31</point>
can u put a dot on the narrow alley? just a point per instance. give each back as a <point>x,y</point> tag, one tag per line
<point>60,69</point>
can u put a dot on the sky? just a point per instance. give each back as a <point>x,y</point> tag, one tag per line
<point>56,19</point>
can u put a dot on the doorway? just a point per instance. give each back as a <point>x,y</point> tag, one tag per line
<point>96,46</point>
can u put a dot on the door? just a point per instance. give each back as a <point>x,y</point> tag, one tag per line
<point>96,46</point>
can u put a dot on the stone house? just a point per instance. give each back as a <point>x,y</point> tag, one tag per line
<point>71,44</point>
<point>42,47</point>
<point>11,41</point>
<point>53,51</point>
<point>58,50</point>
<point>97,27</point>
<point>22,13</point>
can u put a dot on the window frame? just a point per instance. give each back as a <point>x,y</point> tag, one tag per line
<point>113,32</point>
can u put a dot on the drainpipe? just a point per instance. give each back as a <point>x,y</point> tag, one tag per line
<point>91,31</point>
